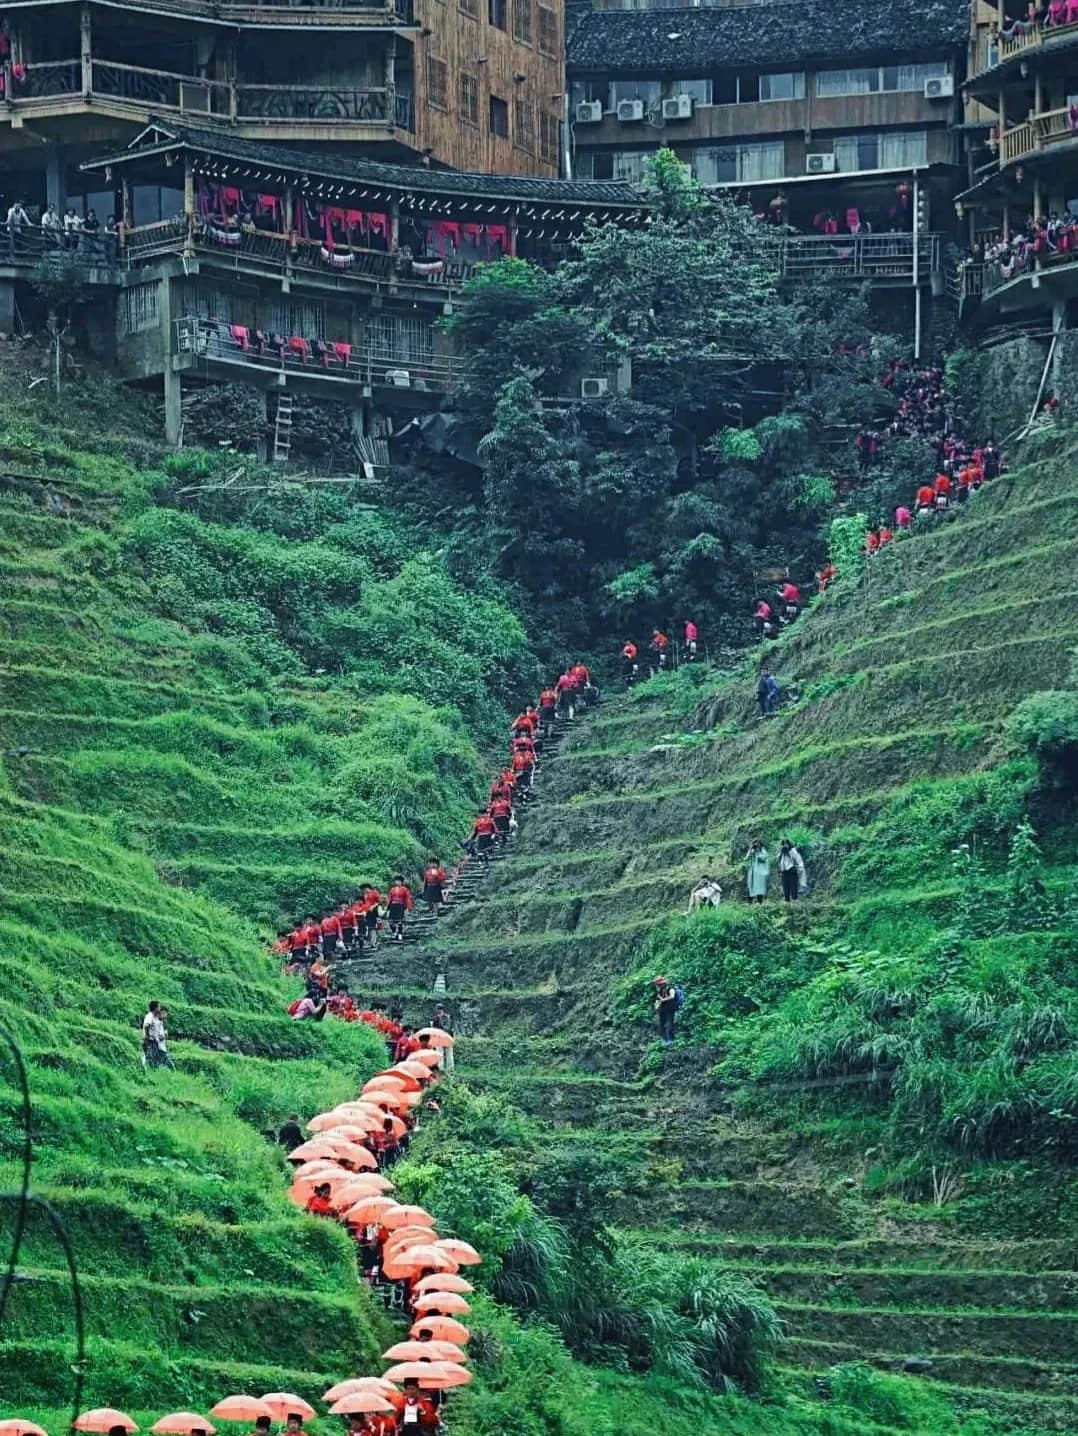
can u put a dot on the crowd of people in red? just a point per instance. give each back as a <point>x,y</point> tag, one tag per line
<point>354,928</point>
<point>923,410</point>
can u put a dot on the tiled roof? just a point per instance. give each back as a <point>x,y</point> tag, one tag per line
<point>344,169</point>
<point>788,32</point>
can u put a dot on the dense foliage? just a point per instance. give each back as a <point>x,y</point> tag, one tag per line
<point>710,458</point>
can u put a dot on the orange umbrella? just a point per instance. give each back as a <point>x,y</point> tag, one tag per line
<point>284,1403</point>
<point>241,1408</point>
<point>446,1351</point>
<point>358,1108</point>
<point>410,1351</point>
<point>436,1375</point>
<point>434,1037</point>
<point>377,1085</point>
<point>414,1259</point>
<point>347,1132</point>
<point>442,1302</point>
<point>449,1374</point>
<point>330,1121</point>
<point>360,1185</point>
<point>182,1423</point>
<point>413,1370</point>
<point>406,1216</point>
<point>346,1151</point>
<point>361,1401</point>
<point>358,1383</point>
<point>103,1418</point>
<point>397,1127</point>
<point>316,1166</point>
<point>442,1328</point>
<point>404,1237</point>
<point>443,1281</point>
<point>370,1209</point>
<point>16,1426</point>
<point>307,1151</point>
<point>462,1252</point>
<point>429,1057</point>
<point>408,1080</point>
<point>419,1070</point>
<point>397,1099</point>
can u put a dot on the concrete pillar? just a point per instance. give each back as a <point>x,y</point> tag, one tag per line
<point>1059,325</point>
<point>7,306</point>
<point>391,80</point>
<point>394,236</point>
<point>173,384</point>
<point>86,51</point>
<point>54,177</point>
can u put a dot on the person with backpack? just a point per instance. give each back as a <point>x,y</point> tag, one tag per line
<point>434,881</point>
<point>548,707</point>
<point>400,901</point>
<point>668,1002</point>
<point>483,833</point>
<point>630,668</point>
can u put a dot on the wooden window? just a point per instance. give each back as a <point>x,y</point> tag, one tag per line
<point>499,117</point>
<point>469,98</point>
<point>524,126</point>
<point>522,21</point>
<point>499,14</point>
<point>548,31</point>
<point>549,137</point>
<point>437,83</point>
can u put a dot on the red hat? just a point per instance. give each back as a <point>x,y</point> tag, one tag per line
<point>658,979</point>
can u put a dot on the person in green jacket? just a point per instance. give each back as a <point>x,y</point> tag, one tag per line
<point>757,871</point>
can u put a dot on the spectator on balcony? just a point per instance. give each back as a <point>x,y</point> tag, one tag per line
<point>91,232</point>
<point>51,229</point>
<point>72,225</point>
<point>17,221</point>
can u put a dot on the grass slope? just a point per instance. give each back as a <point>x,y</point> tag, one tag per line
<point>806,1157</point>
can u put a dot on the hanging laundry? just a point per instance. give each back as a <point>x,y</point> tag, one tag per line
<point>241,336</point>
<point>300,346</point>
<point>339,261</point>
<point>343,353</point>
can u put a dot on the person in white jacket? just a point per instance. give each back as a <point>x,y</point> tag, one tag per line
<point>792,871</point>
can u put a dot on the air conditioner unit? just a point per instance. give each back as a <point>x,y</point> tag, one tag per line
<point>630,110</point>
<point>678,107</point>
<point>399,378</point>
<point>941,88</point>
<point>589,112</point>
<point>194,97</point>
<point>819,164</point>
<point>594,388</point>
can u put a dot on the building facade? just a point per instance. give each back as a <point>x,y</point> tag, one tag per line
<point>822,114</point>
<point>467,84</point>
<point>1020,205</point>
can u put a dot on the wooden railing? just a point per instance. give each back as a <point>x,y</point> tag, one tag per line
<point>212,340</point>
<point>1055,125</point>
<point>31,246</point>
<point>886,257</point>
<point>162,89</point>
<point>291,254</point>
<point>965,281</point>
<point>308,104</point>
<point>1029,35</point>
<point>56,77</point>
<point>1016,142</point>
<point>996,275</point>
<point>192,95</point>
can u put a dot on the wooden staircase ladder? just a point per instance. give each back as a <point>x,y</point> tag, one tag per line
<point>282,429</point>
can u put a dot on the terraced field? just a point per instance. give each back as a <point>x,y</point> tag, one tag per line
<point>196,1273</point>
<point>904,679</point>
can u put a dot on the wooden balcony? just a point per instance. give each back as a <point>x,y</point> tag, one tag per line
<point>1017,142</point>
<point>1059,269</point>
<point>273,14</point>
<point>1034,37</point>
<point>1038,133</point>
<point>886,259</point>
<point>412,376</point>
<point>253,253</point>
<point>95,257</point>
<point>135,91</point>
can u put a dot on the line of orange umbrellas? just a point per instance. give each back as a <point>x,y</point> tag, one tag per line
<point>433,1355</point>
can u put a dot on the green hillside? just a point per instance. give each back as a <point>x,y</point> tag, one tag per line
<point>218,713</point>
<point>873,1117</point>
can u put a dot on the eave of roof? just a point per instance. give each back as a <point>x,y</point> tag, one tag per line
<point>697,40</point>
<point>161,136</point>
